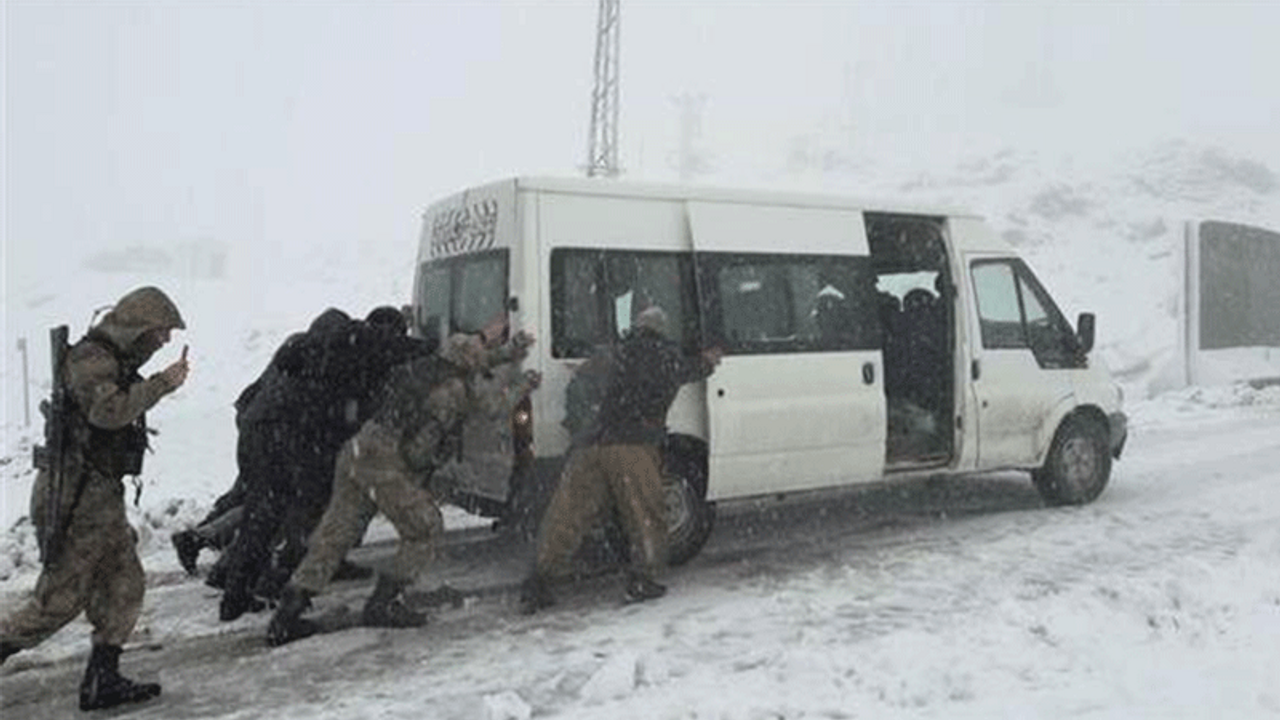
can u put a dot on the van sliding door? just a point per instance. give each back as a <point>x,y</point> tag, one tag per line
<point>798,400</point>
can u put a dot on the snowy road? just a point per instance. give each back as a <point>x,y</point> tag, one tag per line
<point>1160,599</point>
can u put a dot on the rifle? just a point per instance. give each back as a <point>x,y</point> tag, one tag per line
<point>52,456</point>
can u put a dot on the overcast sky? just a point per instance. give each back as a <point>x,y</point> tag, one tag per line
<point>293,124</point>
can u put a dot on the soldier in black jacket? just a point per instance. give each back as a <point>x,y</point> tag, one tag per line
<point>219,527</point>
<point>291,432</point>
<point>619,467</point>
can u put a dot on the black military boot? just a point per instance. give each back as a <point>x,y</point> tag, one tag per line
<point>641,588</point>
<point>535,595</point>
<point>235,604</point>
<point>386,608</point>
<point>217,577</point>
<point>103,687</point>
<point>287,624</point>
<point>188,545</point>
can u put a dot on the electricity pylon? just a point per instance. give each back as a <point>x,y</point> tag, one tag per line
<point>602,153</point>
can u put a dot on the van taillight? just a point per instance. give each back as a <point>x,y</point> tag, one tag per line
<point>522,429</point>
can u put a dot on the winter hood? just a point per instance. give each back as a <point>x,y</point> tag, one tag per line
<point>146,308</point>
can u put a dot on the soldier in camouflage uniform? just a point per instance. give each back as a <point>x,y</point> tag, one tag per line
<point>96,569</point>
<point>388,466</point>
<point>619,466</point>
<point>488,452</point>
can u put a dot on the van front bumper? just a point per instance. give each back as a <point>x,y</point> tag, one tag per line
<point>1119,432</point>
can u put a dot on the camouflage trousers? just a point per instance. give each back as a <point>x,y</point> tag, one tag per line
<point>97,572</point>
<point>597,480</point>
<point>371,476</point>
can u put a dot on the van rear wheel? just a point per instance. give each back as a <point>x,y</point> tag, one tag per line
<point>689,516</point>
<point>1078,465</point>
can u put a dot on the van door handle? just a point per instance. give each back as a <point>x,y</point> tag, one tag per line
<point>868,373</point>
<point>975,370</point>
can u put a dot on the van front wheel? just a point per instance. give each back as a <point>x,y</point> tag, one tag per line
<point>1078,466</point>
<point>689,516</point>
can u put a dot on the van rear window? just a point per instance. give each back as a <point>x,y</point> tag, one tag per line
<point>461,293</point>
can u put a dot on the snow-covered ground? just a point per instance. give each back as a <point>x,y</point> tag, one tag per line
<point>1162,599</point>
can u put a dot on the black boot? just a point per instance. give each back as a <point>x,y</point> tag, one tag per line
<point>188,544</point>
<point>217,577</point>
<point>641,588</point>
<point>6,649</point>
<point>386,608</point>
<point>235,604</point>
<point>535,595</point>
<point>287,624</point>
<point>103,687</point>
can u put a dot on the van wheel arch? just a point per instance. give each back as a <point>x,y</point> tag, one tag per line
<point>690,517</point>
<point>1078,465</point>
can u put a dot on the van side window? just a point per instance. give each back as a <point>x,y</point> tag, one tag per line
<point>1015,312</point>
<point>596,295</point>
<point>765,303</point>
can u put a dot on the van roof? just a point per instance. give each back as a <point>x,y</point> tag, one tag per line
<point>677,191</point>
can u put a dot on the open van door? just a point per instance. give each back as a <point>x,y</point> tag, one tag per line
<point>798,399</point>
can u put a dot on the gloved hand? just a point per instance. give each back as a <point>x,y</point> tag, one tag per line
<point>533,379</point>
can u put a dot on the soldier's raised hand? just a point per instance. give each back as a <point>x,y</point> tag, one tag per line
<point>176,374</point>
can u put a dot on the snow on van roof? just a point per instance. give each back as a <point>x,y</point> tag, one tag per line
<point>630,188</point>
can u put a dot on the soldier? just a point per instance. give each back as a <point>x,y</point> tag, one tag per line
<point>618,469</point>
<point>488,453</point>
<point>388,467</point>
<point>293,429</point>
<point>381,344</point>
<point>93,566</point>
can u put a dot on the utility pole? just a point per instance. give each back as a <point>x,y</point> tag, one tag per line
<point>602,153</point>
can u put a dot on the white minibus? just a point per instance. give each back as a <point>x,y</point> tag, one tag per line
<point>862,342</point>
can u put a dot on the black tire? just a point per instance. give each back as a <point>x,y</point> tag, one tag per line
<point>690,517</point>
<point>1078,465</point>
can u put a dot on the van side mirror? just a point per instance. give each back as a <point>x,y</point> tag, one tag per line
<point>1085,326</point>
